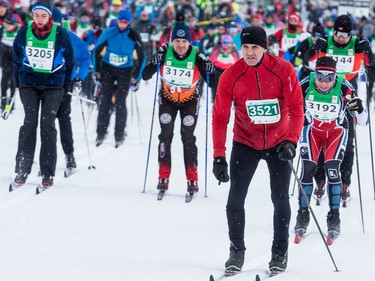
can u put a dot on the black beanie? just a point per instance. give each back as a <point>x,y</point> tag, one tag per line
<point>343,23</point>
<point>318,30</point>
<point>254,35</point>
<point>327,64</point>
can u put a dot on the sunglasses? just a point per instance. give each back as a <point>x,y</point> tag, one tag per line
<point>342,34</point>
<point>325,77</point>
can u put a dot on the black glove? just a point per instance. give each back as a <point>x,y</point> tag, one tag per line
<point>320,44</point>
<point>209,66</point>
<point>220,169</point>
<point>96,76</point>
<point>196,29</point>
<point>134,86</point>
<point>286,150</point>
<point>363,46</point>
<point>355,104</point>
<point>77,85</point>
<point>272,39</point>
<point>158,57</point>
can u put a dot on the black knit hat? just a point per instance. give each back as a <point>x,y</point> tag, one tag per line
<point>326,64</point>
<point>254,35</point>
<point>343,23</point>
<point>318,30</point>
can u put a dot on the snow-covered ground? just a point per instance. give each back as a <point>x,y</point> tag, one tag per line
<point>99,225</point>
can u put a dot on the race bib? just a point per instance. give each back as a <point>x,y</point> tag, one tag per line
<point>178,76</point>
<point>344,64</point>
<point>263,111</point>
<point>323,111</point>
<point>40,58</point>
<point>117,60</point>
<point>145,37</point>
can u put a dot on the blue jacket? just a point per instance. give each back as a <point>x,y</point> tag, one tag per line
<point>119,47</point>
<point>63,56</point>
<point>82,57</point>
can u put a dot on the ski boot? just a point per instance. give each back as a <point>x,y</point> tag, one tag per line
<point>18,181</point>
<point>333,225</point>
<point>192,188</point>
<point>278,263</point>
<point>99,140</point>
<point>235,262</point>
<point>70,165</point>
<point>162,187</point>
<point>303,219</point>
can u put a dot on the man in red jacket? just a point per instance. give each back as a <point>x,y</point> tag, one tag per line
<point>268,105</point>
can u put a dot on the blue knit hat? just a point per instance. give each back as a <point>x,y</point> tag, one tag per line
<point>125,15</point>
<point>181,31</point>
<point>42,5</point>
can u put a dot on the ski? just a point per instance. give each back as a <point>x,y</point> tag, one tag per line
<point>225,275</point>
<point>69,171</point>
<point>271,274</point>
<point>300,234</point>
<point>13,186</point>
<point>41,188</point>
<point>331,237</point>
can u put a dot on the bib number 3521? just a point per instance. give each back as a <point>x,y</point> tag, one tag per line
<point>263,111</point>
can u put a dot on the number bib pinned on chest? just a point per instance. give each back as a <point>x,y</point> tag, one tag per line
<point>263,111</point>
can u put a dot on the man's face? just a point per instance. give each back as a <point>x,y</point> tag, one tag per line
<point>252,53</point>
<point>341,38</point>
<point>40,17</point>
<point>180,46</point>
<point>122,24</point>
<point>324,81</point>
<point>3,10</point>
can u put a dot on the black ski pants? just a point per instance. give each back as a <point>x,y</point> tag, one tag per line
<point>243,164</point>
<point>110,76</point>
<point>189,112</point>
<point>48,100</point>
<point>65,124</point>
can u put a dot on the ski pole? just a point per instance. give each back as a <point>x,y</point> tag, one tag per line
<point>152,124</point>
<point>358,176</point>
<point>371,150</point>
<point>131,105</point>
<point>312,212</point>
<point>295,179</point>
<point>82,98</point>
<point>91,167</point>
<point>8,108</point>
<point>369,95</point>
<point>139,120</point>
<point>206,158</point>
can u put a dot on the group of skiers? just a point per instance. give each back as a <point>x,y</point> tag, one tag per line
<point>250,68</point>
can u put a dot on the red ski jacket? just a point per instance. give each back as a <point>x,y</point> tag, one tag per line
<point>273,78</point>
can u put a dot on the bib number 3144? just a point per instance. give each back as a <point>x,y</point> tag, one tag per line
<point>263,111</point>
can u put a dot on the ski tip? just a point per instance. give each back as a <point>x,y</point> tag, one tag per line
<point>212,278</point>
<point>10,187</point>
<point>297,239</point>
<point>37,191</point>
<point>257,278</point>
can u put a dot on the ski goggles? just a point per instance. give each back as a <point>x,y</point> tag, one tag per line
<point>325,76</point>
<point>342,34</point>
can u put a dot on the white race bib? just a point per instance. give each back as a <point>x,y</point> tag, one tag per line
<point>263,111</point>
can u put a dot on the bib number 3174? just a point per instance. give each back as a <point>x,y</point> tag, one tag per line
<point>263,111</point>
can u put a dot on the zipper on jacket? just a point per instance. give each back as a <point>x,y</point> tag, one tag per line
<point>260,97</point>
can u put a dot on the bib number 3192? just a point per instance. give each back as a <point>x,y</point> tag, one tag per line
<point>263,111</point>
